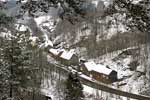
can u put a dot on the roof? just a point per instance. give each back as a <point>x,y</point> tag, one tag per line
<point>67,54</point>
<point>92,66</point>
<point>56,51</point>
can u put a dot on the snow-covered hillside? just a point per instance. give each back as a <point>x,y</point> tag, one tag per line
<point>91,41</point>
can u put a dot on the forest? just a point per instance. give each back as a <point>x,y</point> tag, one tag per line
<point>47,46</point>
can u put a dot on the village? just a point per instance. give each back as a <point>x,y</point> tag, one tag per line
<point>68,57</point>
<point>74,50</point>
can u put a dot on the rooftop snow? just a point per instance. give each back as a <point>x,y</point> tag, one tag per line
<point>56,51</point>
<point>67,54</point>
<point>91,66</point>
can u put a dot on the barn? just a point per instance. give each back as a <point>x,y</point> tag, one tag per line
<point>99,72</point>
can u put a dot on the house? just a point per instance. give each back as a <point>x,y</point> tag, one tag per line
<point>68,57</point>
<point>55,52</point>
<point>99,72</point>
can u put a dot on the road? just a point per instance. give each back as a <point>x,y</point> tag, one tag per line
<point>107,88</point>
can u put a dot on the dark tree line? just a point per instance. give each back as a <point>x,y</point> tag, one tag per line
<point>70,9</point>
<point>137,14</point>
<point>17,71</point>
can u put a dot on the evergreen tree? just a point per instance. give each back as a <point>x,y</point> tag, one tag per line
<point>17,71</point>
<point>137,14</point>
<point>73,88</point>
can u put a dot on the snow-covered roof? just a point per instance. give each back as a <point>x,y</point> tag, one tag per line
<point>92,66</point>
<point>67,54</point>
<point>89,65</point>
<point>55,51</point>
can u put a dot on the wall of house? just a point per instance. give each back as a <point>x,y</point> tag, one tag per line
<point>84,70</point>
<point>113,76</point>
<point>73,61</point>
<point>95,75</point>
<point>100,77</point>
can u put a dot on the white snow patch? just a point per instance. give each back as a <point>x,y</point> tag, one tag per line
<point>140,69</point>
<point>136,1</point>
<point>88,89</point>
<point>21,28</point>
<point>56,51</point>
<point>42,19</point>
<point>85,77</point>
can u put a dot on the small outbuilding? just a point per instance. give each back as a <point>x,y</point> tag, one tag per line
<point>99,72</point>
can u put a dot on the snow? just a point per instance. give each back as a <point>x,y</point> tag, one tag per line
<point>52,86</point>
<point>3,0</point>
<point>67,54</point>
<point>85,77</point>
<point>33,38</point>
<point>24,1</point>
<point>47,92</point>
<point>95,2</point>
<point>133,81</point>
<point>6,35</point>
<point>90,65</point>
<point>21,28</point>
<point>42,19</point>
<point>3,34</point>
<point>140,69</point>
<point>47,42</point>
<point>97,67</point>
<point>136,1</point>
<point>107,2</point>
<point>56,51</point>
<point>88,89</point>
